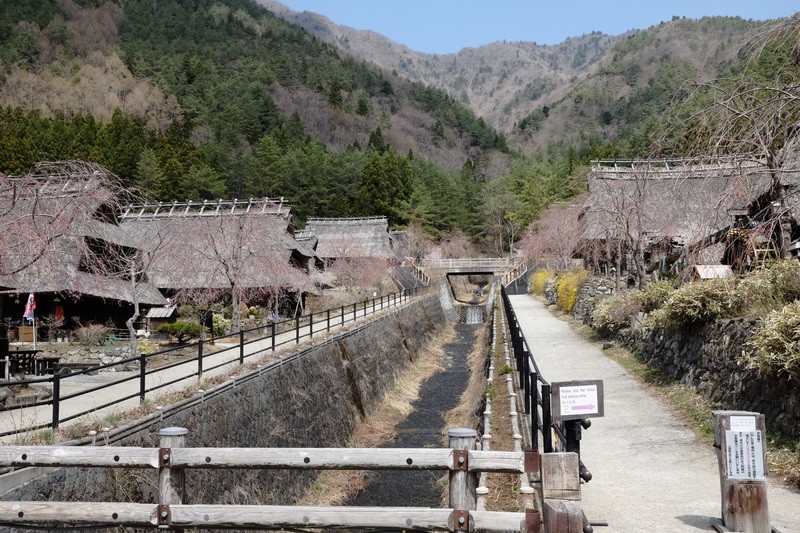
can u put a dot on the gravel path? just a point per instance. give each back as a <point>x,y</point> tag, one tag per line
<point>423,429</point>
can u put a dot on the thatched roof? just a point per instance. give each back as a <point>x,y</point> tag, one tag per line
<point>47,219</point>
<point>211,245</point>
<point>683,201</point>
<point>350,237</point>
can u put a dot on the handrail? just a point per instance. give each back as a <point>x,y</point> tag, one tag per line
<point>536,396</point>
<point>268,337</point>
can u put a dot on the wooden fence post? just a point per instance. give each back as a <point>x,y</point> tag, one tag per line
<point>462,482</point>
<point>739,437</point>
<point>171,481</point>
<point>561,493</point>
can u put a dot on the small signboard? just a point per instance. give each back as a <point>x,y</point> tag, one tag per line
<point>745,449</point>
<point>574,400</point>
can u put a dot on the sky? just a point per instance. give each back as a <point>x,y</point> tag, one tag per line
<point>446,26</point>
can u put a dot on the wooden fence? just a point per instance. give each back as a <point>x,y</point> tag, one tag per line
<point>172,459</point>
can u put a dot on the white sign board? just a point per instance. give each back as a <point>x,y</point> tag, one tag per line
<point>743,423</point>
<point>745,453</point>
<point>577,399</point>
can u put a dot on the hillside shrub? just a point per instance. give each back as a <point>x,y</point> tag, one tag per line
<point>222,325</point>
<point>655,295</point>
<point>568,285</point>
<point>540,279</point>
<point>614,313</point>
<point>181,330</point>
<point>695,303</point>
<point>92,334</point>
<point>775,345</point>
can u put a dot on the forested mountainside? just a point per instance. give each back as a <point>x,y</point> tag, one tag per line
<point>204,99</point>
<point>501,82</point>
<point>588,91</point>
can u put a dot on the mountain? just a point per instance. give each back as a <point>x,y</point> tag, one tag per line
<point>587,91</point>
<point>501,81</point>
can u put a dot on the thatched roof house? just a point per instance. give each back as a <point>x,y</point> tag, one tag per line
<point>366,237</point>
<point>681,206</point>
<point>220,244</point>
<point>59,240</point>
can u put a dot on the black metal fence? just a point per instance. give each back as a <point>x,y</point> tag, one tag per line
<point>556,436</point>
<point>195,357</point>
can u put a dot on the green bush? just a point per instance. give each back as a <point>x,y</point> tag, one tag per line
<point>568,285</point>
<point>181,330</point>
<point>614,313</point>
<point>695,303</point>
<point>655,295</point>
<point>776,343</point>
<point>222,325</point>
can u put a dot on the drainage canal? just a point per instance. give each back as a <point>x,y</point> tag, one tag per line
<point>424,428</point>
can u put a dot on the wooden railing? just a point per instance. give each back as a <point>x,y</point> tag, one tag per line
<point>172,460</point>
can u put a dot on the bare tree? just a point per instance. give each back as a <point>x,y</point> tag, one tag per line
<point>555,235</point>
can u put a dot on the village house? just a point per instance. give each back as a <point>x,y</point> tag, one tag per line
<point>225,251</point>
<point>648,217</point>
<point>60,244</point>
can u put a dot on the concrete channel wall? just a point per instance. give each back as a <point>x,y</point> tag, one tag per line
<point>311,399</point>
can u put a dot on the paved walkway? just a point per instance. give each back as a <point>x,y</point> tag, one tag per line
<point>651,473</point>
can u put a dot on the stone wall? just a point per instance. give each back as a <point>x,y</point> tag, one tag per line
<point>311,399</point>
<point>708,359</point>
<point>590,290</point>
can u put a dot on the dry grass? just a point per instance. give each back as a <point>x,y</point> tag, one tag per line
<point>503,488</point>
<point>336,487</point>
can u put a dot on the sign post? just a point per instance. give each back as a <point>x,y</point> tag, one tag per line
<point>576,400</point>
<point>739,437</point>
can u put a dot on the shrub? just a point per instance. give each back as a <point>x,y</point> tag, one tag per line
<point>568,285</point>
<point>92,334</point>
<point>222,325</point>
<point>540,279</point>
<point>756,293</point>
<point>655,295</point>
<point>181,330</point>
<point>695,303</point>
<point>786,277</point>
<point>614,313</point>
<point>776,343</point>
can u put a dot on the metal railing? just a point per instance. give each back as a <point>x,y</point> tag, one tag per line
<point>150,374</point>
<point>558,436</point>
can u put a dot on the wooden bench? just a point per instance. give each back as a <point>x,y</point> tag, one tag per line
<point>45,365</point>
<point>68,368</point>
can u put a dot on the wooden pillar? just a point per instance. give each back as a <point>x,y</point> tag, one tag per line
<point>561,493</point>
<point>740,439</point>
<point>171,481</point>
<point>463,483</point>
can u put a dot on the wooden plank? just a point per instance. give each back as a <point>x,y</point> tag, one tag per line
<point>497,461</point>
<point>408,518</point>
<point>740,439</point>
<point>316,458</point>
<point>301,458</point>
<point>67,513</point>
<point>562,516</point>
<point>101,456</point>
<point>560,479</point>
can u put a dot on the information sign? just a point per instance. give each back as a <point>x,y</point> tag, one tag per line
<point>745,454</point>
<point>573,400</point>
